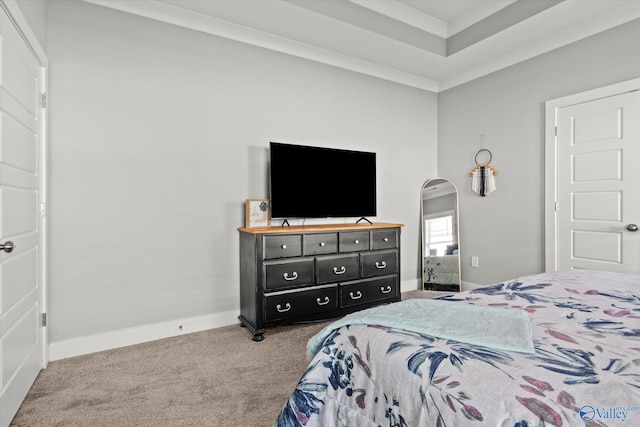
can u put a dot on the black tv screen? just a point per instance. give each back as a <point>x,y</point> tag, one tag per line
<point>317,182</point>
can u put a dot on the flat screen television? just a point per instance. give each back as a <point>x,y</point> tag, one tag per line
<point>318,182</point>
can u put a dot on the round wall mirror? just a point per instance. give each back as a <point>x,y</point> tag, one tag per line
<point>440,236</point>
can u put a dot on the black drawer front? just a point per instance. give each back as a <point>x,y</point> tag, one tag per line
<point>379,263</point>
<point>353,241</point>
<point>288,274</point>
<point>338,268</point>
<point>304,302</point>
<point>286,246</point>
<point>384,239</point>
<point>318,244</point>
<point>365,291</point>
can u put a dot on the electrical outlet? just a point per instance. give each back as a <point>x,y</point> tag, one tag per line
<point>474,261</point>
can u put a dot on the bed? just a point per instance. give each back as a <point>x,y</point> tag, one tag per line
<point>583,367</point>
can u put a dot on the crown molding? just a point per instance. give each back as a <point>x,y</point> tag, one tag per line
<point>475,15</point>
<point>562,24</point>
<point>564,12</point>
<point>408,15</point>
<point>195,21</point>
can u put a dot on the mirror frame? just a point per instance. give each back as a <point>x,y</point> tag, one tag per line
<point>422,230</point>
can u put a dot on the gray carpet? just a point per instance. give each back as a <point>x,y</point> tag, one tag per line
<point>212,378</point>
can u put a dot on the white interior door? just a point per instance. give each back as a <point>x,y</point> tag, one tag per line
<point>22,342</point>
<point>597,199</point>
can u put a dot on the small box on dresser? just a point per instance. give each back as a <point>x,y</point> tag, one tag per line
<point>302,273</point>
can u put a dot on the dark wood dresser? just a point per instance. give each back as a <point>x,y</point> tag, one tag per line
<point>303,273</point>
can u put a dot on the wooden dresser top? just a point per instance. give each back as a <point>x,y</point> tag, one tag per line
<point>318,227</point>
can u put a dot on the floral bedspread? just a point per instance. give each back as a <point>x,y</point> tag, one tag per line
<point>585,370</point>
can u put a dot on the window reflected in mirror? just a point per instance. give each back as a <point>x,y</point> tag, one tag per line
<point>439,232</point>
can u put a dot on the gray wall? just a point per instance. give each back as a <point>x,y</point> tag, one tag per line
<point>157,136</point>
<point>506,229</point>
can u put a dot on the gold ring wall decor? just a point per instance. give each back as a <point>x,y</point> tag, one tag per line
<point>483,175</point>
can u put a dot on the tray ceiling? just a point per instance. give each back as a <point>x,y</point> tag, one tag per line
<point>428,44</point>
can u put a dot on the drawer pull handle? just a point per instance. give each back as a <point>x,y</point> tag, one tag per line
<point>286,308</point>
<point>356,241</point>
<point>294,276</point>
<point>321,244</point>
<point>381,265</point>
<point>385,290</point>
<point>283,247</point>
<point>386,239</point>
<point>358,295</point>
<point>320,302</point>
<point>341,271</point>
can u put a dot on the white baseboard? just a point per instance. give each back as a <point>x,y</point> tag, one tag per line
<point>125,337</point>
<point>410,285</point>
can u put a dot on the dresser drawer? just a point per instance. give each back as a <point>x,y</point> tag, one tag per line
<point>286,305</point>
<point>384,239</point>
<point>365,291</point>
<point>379,263</point>
<point>288,274</point>
<point>283,246</point>
<point>318,244</point>
<point>337,268</point>
<point>354,241</point>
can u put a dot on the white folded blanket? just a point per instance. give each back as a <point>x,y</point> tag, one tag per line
<point>493,327</point>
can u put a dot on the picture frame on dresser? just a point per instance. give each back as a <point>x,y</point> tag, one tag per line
<point>257,213</point>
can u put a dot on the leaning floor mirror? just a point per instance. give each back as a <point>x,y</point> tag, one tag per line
<point>440,236</point>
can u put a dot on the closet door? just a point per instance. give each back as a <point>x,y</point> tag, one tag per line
<point>598,196</point>
<point>22,338</point>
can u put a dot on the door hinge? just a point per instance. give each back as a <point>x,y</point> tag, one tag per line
<point>43,100</point>
<point>43,320</point>
<point>43,210</point>
<point>556,130</point>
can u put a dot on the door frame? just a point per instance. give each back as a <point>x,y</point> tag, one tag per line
<point>551,162</point>
<point>22,25</point>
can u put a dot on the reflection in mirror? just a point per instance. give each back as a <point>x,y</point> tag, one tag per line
<point>440,239</point>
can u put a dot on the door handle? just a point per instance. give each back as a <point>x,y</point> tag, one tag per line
<point>632,227</point>
<point>7,246</point>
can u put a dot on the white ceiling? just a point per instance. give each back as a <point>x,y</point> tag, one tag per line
<point>428,44</point>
